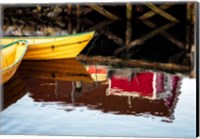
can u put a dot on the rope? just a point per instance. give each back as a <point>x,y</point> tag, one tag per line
<point>94,41</point>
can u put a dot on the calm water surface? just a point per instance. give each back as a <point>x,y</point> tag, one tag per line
<point>97,101</point>
<point>65,97</point>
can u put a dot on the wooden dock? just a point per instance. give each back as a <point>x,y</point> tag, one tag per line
<point>143,13</point>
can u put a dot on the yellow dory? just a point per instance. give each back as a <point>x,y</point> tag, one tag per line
<point>53,47</point>
<point>10,57</point>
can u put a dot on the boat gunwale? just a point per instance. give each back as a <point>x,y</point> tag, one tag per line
<point>54,36</point>
<point>20,58</point>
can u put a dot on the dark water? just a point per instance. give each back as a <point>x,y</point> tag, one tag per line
<point>120,102</point>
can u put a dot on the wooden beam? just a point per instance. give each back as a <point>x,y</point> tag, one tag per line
<point>78,10</point>
<point>161,12</point>
<point>165,34</point>
<point>69,27</point>
<point>128,11</point>
<point>87,21</point>
<point>189,37</point>
<point>128,33</point>
<point>150,35</point>
<point>100,26</point>
<point>78,25</point>
<point>103,12</point>
<point>117,62</point>
<point>69,9</point>
<point>114,37</point>
<point>86,10</point>
<point>190,12</point>
<point>152,13</point>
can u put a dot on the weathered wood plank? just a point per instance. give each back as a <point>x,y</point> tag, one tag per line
<point>103,12</point>
<point>100,25</point>
<point>78,10</point>
<point>190,15</point>
<point>150,35</point>
<point>128,11</point>
<point>114,37</point>
<point>128,33</point>
<point>86,10</point>
<point>161,12</point>
<point>165,34</point>
<point>69,9</point>
<point>69,27</point>
<point>152,13</point>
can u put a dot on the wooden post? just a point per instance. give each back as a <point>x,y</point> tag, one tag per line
<point>69,26</point>
<point>78,10</point>
<point>78,25</point>
<point>193,62</point>
<point>69,9</point>
<point>128,11</point>
<point>128,24</point>
<point>190,48</point>
<point>128,33</point>
<point>189,38</point>
<point>190,13</point>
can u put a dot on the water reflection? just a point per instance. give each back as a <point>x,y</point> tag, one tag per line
<point>98,72</point>
<point>61,69</point>
<point>146,91</point>
<point>117,91</point>
<point>64,96</point>
<point>13,90</point>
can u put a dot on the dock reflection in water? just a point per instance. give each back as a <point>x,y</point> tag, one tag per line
<point>67,98</point>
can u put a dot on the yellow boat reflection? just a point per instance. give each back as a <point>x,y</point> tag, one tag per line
<point>12,91</point>
<point>60,69</point>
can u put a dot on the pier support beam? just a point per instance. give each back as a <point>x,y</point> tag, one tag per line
<point>69,9</point>
<point>190,12</point>
<point>78,10</point>
<point>128,11</point>
<point>103,12</point>
<point>128,24</point>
